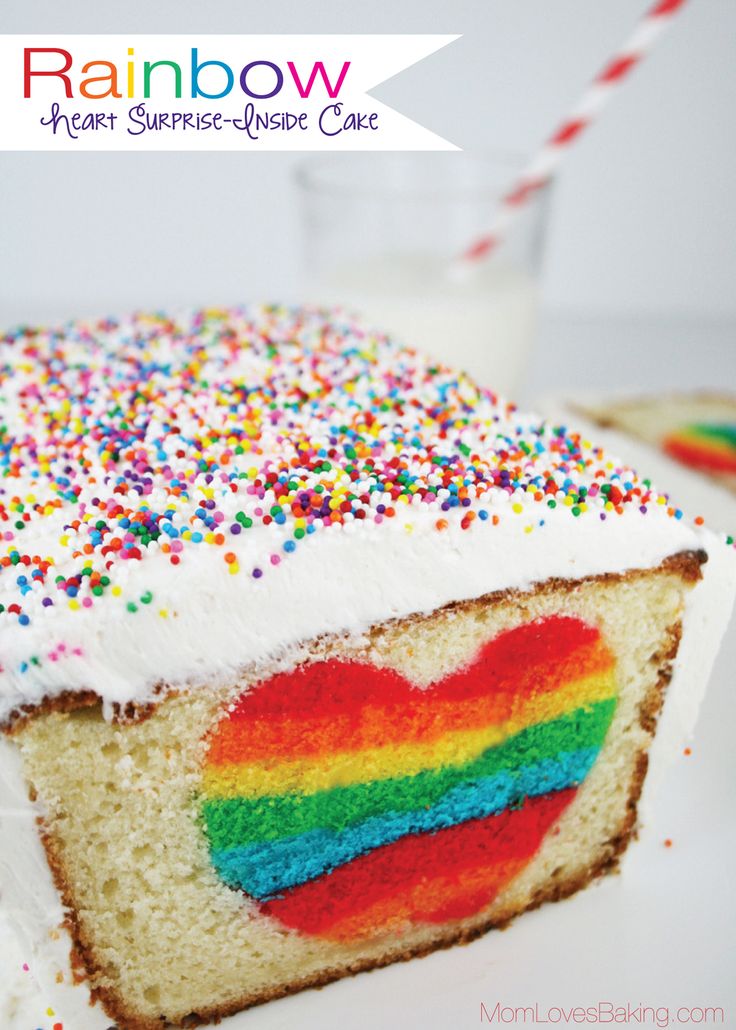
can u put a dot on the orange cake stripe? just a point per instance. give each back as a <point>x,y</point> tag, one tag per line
<point>348,766</point>
<point>435,900</point>
<point>395,869</point>
<point>546,644</point>
<point>422,717</point>
<point>351,802</point>
<point>705,454</point>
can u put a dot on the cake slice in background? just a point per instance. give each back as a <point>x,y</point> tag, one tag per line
<point>697,430</point>
<point>316,656</point>
<point>686,440</point>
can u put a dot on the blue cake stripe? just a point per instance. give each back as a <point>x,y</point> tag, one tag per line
<point>263,870</point>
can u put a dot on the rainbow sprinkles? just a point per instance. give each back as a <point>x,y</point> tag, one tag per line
<point>130,447</point>
<point>315,655</point>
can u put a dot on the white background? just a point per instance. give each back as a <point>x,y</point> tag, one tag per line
<point>644,220</point>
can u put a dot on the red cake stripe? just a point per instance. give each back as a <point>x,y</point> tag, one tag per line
<point>434,900</point>
<point>324,706</point>
<point>701,455</point>
<point>541,644</point>
<point>420,719</point>
<point>395,869</point>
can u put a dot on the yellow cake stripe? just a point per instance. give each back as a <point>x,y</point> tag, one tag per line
<point>312,773</point>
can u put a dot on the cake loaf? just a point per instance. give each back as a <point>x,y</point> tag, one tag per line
<point>314,656</point>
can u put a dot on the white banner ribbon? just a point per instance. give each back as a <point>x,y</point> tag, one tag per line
<point>207,92</point>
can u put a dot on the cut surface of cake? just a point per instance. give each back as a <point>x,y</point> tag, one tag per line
<point>315,656</point>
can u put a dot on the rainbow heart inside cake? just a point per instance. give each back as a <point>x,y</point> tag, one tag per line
<point>349,801</point>
<point>314,656</point>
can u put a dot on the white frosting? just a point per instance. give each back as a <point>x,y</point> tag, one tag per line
<point>709,606</point>
<point>200,624</point>
<point>95,419</point>
<point>33,914</point>
<point>27,892</point>
<point>341,580</point>
<point>21,1002</point>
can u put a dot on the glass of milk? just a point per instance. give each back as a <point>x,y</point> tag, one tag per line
<point>382,235</point>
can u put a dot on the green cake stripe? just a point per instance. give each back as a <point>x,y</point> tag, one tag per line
<point>725,432</point>
<point>234,822</point>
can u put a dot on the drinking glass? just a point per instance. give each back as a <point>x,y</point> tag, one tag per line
<point>382,235</point>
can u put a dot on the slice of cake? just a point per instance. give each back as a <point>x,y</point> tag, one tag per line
<point>697,430</point>
<point>315,656</point>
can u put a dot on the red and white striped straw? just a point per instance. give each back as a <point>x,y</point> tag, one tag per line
<point>539,170</point>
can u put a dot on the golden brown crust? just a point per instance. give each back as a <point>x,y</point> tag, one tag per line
<point>81,958</point>
<point>685,564</point>
<point>74,701</point>
<point>66,701</point>
<point>82,953</point>
<point>607,862</point>
<point>652,703</point>
<point>613,849</point>
<point>636,401</point>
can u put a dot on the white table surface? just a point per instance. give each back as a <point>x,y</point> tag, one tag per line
<point>662,934</point>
